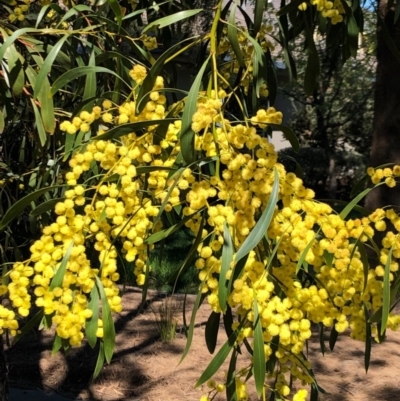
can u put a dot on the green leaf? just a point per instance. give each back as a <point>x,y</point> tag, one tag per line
<point>360,185</point>
<point>129,128</point>
<point>312,71</point>
<point>233,37</point>
<point>47,66</point>
<point>79,8</point>
<point>18,33</point>
<point>57,344</point>
<point>287,55</point>
<point>386,293</point>
<point>108,323</point>
<point>148,169</point>
<point>259,353</point>
<point>45,99</point>
<point>329,258</point>
<point>364,261</point>
<point>92,323</point>
<point>45,206</point>
<point>258,16</point>
<point>114,5</point>
<point>171,19</point>
<point>231,378</point>
<point>29,325</point>
<point>2,122</point>
<point>60,273</point>
<point>16,72</point>
<point>228,321</point>
<point>69,146</point>
<point>333,337</point>
<point>227,258</point>
<point>263,223</point>
<point>187,134</point>
<point>160,235</point>
<point>288,134</point>
<point>100,361</point>
<point>368,339</point>
<point>77,72</point>
<point>218,359</point>
<point>352,29</point>
<point>17,208</point>
<point>313,66</point>
<point>259,65</point>
<point>211,332</point>
<point>303,255</point>
<point>90,84</point>
<point>47,107</point>
<point>39,124</point>
<point>199,300</point>
<point>377,316</point>
<point>343,214</point>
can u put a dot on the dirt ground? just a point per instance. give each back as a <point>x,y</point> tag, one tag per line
<point>145,369</point>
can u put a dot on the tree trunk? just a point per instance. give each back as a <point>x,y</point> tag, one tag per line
<point>3,373</point>
<point>386,127</point>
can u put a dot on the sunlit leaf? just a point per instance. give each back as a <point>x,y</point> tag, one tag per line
<point>39,124</point>
<point>227,258</point>
<point>171,19</point>
<point>47,66</point>
<point>60,273</point>
<point>100,361</point>
<point>187,134</point>
<point>386,292</point>
<point>92,323</point>
<point>259,353</point>
<point>125,129</point>
<point>199,300</point>
<point>108,323</point>
<point>303,255</point>
<point>231,378</point>
<point>77,72</point>
<point>233,36</point>
<point>263,223</point>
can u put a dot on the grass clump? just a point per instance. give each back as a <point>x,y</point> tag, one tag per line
<point>165,318</point>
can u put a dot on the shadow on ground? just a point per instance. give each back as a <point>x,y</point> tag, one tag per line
<point>71,375</point>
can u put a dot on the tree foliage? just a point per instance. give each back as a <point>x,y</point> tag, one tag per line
<point>337,117</point>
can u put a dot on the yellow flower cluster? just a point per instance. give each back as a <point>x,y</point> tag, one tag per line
<point>21,7</point>
<point>333,10</point>
<point>149,42</point>
<point>92,219</point>
<point>138,73</point>
<point>268,116</point>
<point>388,174</point>
<point>81,123</point>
